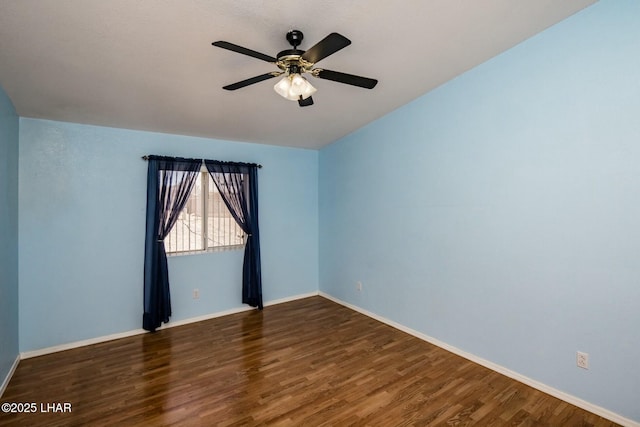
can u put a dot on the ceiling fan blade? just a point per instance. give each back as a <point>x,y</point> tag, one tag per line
<point>252,80</point>
<point>325,47</point>
<point>305,102</point>
<point>349,79</point>
<point>244,51</point>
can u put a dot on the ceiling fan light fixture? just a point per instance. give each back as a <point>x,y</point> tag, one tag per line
<point>294,86</point>
<point>283,86</point>
<point>306,89</point>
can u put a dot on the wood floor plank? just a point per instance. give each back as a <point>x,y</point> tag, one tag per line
<point>308,362</point>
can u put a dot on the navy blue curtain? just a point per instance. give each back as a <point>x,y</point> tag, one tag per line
<point>169,183</point>
<point>238,186</point>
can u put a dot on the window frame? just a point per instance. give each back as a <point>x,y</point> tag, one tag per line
<point>205,183</point>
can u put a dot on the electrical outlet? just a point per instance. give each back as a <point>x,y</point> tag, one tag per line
<point>359,286</point>
<point>582,360</point>
<point>196,293</point>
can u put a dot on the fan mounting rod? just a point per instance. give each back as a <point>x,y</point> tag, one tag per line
<point>294,37</point>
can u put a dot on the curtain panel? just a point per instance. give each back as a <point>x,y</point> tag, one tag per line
<point>238,187</point>
<point>169,183</point>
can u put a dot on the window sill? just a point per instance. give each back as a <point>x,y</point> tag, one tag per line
<point>209,250</point>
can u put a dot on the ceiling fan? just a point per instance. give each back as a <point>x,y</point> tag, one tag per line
<point>295,62</point>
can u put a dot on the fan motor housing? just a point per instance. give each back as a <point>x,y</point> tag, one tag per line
<point>290,58</point>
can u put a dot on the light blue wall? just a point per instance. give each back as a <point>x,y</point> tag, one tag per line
<point>8,235</point>
<point>500,213</point>
<point>82,221</point>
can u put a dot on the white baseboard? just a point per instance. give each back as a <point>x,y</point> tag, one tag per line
<point>104,338</point>
<point>494,367</point>
<point>76,344</point>
<point>292,298</point>
<point>5,383</point>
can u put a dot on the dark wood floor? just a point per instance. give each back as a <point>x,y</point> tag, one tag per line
<point>308,362</point>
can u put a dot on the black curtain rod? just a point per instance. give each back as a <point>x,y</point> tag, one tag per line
<point>147,158</point>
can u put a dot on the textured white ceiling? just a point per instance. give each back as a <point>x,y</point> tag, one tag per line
<point>149,64</point>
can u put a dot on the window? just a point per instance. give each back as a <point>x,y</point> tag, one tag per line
<point>205,223</point>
